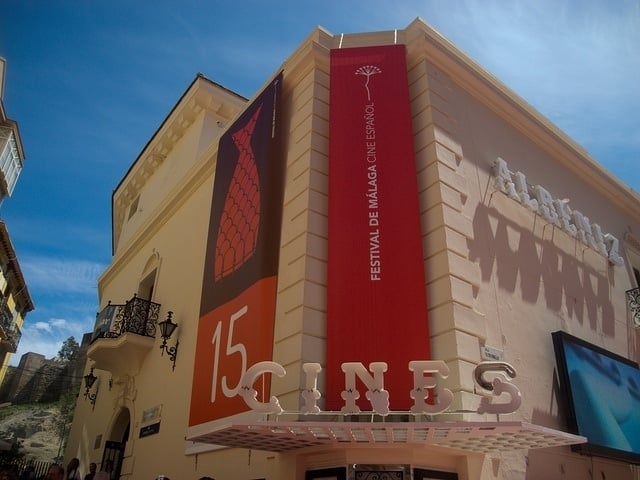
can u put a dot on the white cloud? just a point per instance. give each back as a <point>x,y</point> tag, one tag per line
<point>46,336</point>
<point>60,275</point>
<point>42,326</point>
<point>58,327</point>
<point>59,323</point>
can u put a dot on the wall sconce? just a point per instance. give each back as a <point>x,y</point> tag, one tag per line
<point>89,380</point>
<point>166,330</point>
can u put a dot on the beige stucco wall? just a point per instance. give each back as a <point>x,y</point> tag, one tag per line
<point>496,274</point>
<point>503,275</point>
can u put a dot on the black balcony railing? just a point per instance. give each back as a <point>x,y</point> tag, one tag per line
<point>10,334</point>
<point>11,339</point>
<point>137,316</point>
<point>6,321</point>
<point>633,305</point>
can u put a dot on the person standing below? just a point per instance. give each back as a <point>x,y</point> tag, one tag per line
<point>72,470</point>
<point>92,472</point>
<point>56,472</point>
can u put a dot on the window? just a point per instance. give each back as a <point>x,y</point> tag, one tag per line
<point>145,289</point>
<point>133,208</point>
<point>10,163</point>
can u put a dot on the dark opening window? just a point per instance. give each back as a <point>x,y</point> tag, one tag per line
<point>422,474</point>
<point>338,473</point>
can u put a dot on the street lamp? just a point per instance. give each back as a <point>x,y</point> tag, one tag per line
<point>167,328</point>
<point>89,380</point>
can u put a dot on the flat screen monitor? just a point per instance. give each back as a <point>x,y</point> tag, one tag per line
<point>601,391</point>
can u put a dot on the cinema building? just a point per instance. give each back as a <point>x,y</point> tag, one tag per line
<point>383,265</point>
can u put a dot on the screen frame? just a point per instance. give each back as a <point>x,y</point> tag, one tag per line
<point>560,340</point>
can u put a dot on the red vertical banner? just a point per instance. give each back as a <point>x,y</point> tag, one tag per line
<point>237,307</point>
<point>376,306</point>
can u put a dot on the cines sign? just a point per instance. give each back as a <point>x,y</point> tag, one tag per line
<point>423,375</point>
<point>536,198</point>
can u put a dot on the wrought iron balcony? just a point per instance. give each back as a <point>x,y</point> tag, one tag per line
<point>137,316</point>
<point>10,339</point>
<point>9,332</point>
<point>633,305</point>
<point>123,335</point>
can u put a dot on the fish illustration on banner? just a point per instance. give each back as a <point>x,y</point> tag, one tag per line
<point>237,309</point>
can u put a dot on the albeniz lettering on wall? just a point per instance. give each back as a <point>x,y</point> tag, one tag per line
<point>537,199</point>
<point>492,378</point>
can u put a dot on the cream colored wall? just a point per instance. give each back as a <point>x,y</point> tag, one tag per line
<point>203,111</point>
<point>498,275</point>
<point>176,206</point>
<point>170,173</point>
<point>301,306</point>
<point>178,289</point>
<point>18,319</point>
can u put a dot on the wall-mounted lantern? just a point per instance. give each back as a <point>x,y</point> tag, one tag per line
<point>167,328</point>
<point>89,380</point>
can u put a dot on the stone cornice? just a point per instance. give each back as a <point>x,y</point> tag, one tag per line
<point>201,95</point>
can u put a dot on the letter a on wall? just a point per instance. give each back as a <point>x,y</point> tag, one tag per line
<point>376,307</point>
<point>238,300</point>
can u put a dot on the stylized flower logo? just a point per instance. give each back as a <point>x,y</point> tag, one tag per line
<point>368,70</point>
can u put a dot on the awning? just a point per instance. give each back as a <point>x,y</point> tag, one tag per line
<point>479,437</point>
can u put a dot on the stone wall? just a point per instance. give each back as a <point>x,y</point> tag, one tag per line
<point>37,379</point>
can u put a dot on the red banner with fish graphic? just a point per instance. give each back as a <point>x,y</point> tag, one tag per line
<point>237,309</point>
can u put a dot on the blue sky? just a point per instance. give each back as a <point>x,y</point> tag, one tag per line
<point>89,82</point>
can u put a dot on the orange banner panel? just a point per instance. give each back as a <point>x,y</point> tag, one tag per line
<point>231,338</point>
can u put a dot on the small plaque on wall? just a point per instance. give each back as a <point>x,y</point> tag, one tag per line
<point>151,414</point>
<point>149,429</point>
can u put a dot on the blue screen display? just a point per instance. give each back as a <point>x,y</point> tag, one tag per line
<point>603,397</point>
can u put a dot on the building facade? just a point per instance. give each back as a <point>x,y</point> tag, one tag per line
<point>366,263</point>
<point>15,301</point>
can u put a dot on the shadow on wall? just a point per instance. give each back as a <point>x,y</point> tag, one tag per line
<point>541,267</point>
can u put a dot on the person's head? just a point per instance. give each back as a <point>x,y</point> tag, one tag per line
<point>92,467</point>
<point>56,472</point>
<point>8,473</point>
<point>73,464</point>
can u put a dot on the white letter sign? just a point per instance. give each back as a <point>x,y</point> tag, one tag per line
<point>555,211</point>
<point>376,394</point>
<point>422,384</point>
<point>249,394</point>
<point>498,387</point>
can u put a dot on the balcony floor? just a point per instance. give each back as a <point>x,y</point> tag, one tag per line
<point>122,355</point>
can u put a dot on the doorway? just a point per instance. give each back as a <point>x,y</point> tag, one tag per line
<point>378,472</point>
<point>114,448</point>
